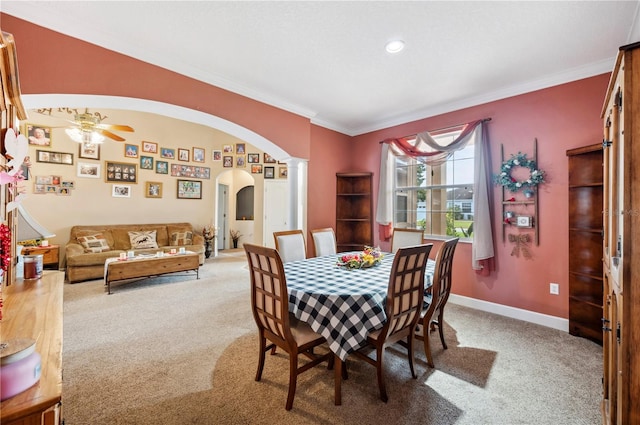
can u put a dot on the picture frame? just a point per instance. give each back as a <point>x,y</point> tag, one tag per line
<point>269,172</point>
<point>268,159</point>
<point>282,172</point>
<point>63,191</point>
<point>189,189</point>
<point>168,153</point>
<point>524,221</point>
<point>69,184</point>
<point>253,158</point>
<point>149,147</point>
<point>183,154</point>
<point>198,154</point>
<point>44,180</point>
<point>227,148</point>
<point>146,162</point>
<point>130,151</point>
<point>162,167</point>
<point>38,135</point>
<point>240,161</point>
<point>52,157</point>
<point>227,161</point>
<point>153,190</point>
<point>121,191</point>
<point>216,155</point>
<point>256,168</point>
<point>89,151</point>
<point>88,170</point>
<point>190,171</point>
<point>39,189</point>
<point>240,148</point>
<point>120,172</point>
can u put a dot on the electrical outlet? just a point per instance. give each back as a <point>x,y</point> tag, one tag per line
<point>554,288</point>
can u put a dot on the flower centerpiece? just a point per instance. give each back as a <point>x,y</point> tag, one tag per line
<point>235,237</point>
<point>369,257</point>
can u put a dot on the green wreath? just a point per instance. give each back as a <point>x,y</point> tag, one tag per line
<point>518,160</point>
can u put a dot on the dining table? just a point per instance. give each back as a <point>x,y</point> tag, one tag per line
<point>343,305</point>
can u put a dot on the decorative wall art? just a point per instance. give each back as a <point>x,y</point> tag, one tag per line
<point>131,151</point>
<point>153,190</point>
<point>227,148</point>
<point>52,185</point>
<point>168,153</point>
<point>146,162</point>
<point>282,172</point>
<point>198,155</point>
<point>119,172</point>
<point>183,154</point>
<point>162,167</point>
<point>227,161</point>
<point>189,189</point>
<point>256,169</point>
<point>89,151</point>
<point>38,135</point>
<point>149,147</point>
<point>88,170</point>
<point>121,191</point>
<point>197,172</point>
<point>268,159</point>
<point>54,157</point>
<point>240,161</point>
<point>216,155</point>
<point>240,148</point>
<point>253,158</point>
<point>269,172</point>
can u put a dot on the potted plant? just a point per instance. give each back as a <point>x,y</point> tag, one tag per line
<point>235,237</point>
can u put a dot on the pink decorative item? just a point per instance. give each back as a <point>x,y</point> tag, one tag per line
<point>21,367</point>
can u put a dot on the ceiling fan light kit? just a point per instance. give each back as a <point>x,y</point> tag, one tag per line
<point>88,127</point>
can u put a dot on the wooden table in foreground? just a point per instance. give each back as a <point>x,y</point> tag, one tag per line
<point>117,270</point>
<point>33,309</point>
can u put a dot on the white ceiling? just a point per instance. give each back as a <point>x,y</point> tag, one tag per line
<point>326,60</point>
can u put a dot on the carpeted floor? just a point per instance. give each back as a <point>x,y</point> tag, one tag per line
<point>175,350</point>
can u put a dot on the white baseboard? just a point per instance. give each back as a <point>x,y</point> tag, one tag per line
<point>515,313</point>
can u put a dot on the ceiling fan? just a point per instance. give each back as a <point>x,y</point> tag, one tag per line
<point>87,127</point>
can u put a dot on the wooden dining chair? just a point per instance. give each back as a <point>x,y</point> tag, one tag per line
<point>436,298</point>
<point>323,241</point>
<point>270,306</point>
<point>403,307</point>
<point>290,245</point>
<point>405,237</point>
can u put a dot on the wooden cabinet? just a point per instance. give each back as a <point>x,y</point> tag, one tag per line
<point>585,242</point>
<point>50,255</point>
<point>33,309</point>
<point>621,244</point>
<point>354,211</point>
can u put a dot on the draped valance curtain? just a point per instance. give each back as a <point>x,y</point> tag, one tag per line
<point>427,150</point>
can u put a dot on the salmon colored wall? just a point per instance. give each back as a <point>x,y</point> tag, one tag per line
<point>561,118</point>
<point>50,62</point>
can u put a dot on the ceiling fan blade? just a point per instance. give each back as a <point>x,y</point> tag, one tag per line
<point>117,127</point>
<point>109,135</point>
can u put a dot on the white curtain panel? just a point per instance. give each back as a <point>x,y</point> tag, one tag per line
<point>482,239</point>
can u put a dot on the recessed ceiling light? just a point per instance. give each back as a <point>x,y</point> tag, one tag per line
<point>394,46</point>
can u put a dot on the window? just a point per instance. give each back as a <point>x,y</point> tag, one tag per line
<point>438,199</point>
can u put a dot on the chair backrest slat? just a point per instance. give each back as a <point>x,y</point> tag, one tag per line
<point>442,274</point>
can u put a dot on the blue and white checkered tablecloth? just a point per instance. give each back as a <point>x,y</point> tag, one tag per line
<point>342,305</point>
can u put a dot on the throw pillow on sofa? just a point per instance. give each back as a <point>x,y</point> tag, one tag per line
<point>140,240</point>
<point>94,243</point>
<point>181,238</point>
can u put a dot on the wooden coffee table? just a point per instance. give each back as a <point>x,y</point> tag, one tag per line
<point>149,266</point>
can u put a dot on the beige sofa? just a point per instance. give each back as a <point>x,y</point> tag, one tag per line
<point>90,245</point>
